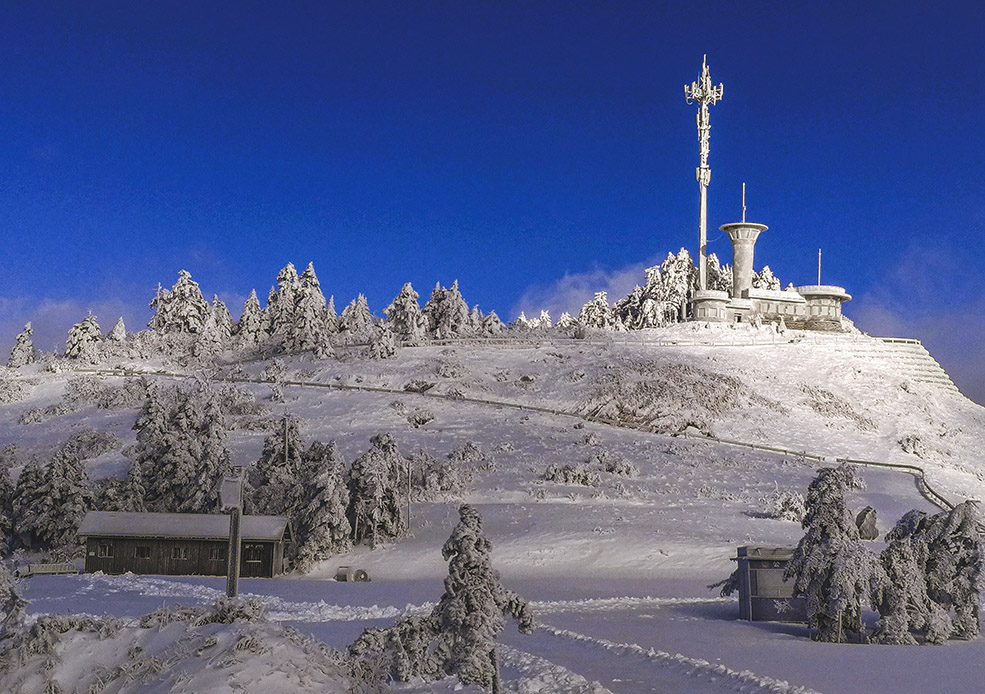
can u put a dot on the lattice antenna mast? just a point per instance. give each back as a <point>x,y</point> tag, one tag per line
<point>705,94</point>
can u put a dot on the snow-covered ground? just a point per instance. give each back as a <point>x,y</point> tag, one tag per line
<point>618,570</point>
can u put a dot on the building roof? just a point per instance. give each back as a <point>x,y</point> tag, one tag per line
<point>197,526</point>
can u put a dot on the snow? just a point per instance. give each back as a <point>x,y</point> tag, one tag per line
<point>615,572</point>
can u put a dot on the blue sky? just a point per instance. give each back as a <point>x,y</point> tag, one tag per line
<point>535,151</point>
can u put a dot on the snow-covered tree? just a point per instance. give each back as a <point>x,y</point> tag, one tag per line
<point>565,322</point>
<point>182,309</point>
<point>597,313</point>
<point>182,467</point>
<point>83,340</point>
<point>223,321</point>
<point>6,498</point>
<point>275,484</point>
<point>831,567</point>
<point>765,279</point>
<point>719,276</point>
<point>955,572</point>
<point>281,302</point>
<point>405,317</point>
<point>383,344</point>
<point>678,275</point>
<point>126,495</point>
<point>447,313</point>
<point>331,317</point>
<point>491,324</point>
<point>22,352</point>
<point>209,341</point>
<point>375,492</point>
<point>322,525</point>
<point>119,331</point>
<point>66,497</point>
<point>459,636</point>
<point>356,322</point>
<point>307,332</point>
<point>26,502</point>
<point>903,603</point>
<point>252,326</point>
<point>521,322</point>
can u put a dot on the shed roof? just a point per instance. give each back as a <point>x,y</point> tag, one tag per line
<point>198,526</point>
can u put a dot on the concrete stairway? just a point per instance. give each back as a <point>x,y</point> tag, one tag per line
<point>910,358</point>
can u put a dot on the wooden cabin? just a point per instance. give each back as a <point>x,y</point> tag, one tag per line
<point>181,544</point>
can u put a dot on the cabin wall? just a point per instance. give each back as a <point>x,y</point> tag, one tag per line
<point>176,557</point>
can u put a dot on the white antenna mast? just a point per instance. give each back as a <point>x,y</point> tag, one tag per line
<point>819,266</point>
<point>743,201</point>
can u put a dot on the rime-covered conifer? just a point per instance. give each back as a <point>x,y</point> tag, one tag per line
<point>765,279</point>
<point>955,572</point>
<point>356,322</point>
<point>405,317</point>
<point>223,321</point>
<point>274,482</point>
<point>6,498</point>
<point>251,328</point>
<point>565,322</point>
<point>831,567</point>
<point>83,340</point>
<point>521,322</point>
<point>719,276</point>
<point>374,492</point>
<point>903,603</point>
<point>447,313</point>
<point>119,331</point>
<point>22,352</point>
<point>383,344</point>
<point>67,496</point>
<point>209,341</point>
<point>307,332</point>
<point>282,302</point>
<point>597,313</point>
<point>678,280</point>
<point>331,317</point>
<point>322,523</point>
<point>182,309</point>
<point>26,503</point>
<point>491,324</point>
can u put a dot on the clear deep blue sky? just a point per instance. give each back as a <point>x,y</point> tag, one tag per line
<point>532,150</point>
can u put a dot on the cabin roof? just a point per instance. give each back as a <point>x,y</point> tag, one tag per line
<point>197,526</point>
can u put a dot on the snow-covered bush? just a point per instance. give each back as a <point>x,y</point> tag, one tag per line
<point>81,391</point>
<point>459,636</point>
<point>433,477</point>
<point>129,395</point>
<point>419,417</point>
<point>89,443</point>
<point>572,474</point>
<point>615,465</point>
<point>12,390</point>
<point>831,567</point>
<point>830,406</point>
<point>786,504</point>
<point>468,452</point>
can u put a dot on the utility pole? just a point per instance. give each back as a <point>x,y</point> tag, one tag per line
<point>705,94</point>
<point>231,499</point>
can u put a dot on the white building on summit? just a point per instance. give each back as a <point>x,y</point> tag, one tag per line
<point>812,307</point>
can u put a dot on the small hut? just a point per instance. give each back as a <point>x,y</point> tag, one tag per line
<point>181,544</point>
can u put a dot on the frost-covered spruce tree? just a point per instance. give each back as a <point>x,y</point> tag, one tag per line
<point>565,322</point>
<point>22,352</point>
<point>282,301</point>
<point>331,317</point>
<point>252,327</point>
<point>719,276</point>
<point>182,309</point>
<point>459,636</point>
<point>490,324</point>
<point>209,341</point>
<point>678,280</point>
<point>475,319</point>
<point>83,340</point>
<point>356,323</point>
<point>322,524</point>
<point>955,573</point>
<point>275,483</point>
<point>26,503</point>
<point>307,332</point>
<point>470,612</point>
<point>447,313</point>
<point>6,499</point>
<point>67,496</point>
<point>597,313</point>
<point>223,321</point>
<point>831,567</point>
<point>119,331</point>
<point>521,322</point>
<point>125,494</point>
<point>405,317</point>
<point>375,492</point>
<point>903,603</point>
<point>765,279</point>
<point>383,344</point>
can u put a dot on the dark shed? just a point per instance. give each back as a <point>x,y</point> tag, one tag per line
<point>181,543</point>
<point>764,595</point>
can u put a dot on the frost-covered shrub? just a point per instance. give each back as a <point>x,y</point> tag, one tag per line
<point>786,504</point>
<point>420,417</point>
<point>449,368</point>
<point>468,452</point>
<point>82,390</point>
<point>231,610</point>
<point>36,415</point>
<point>419,386</point>
<point>830,406</point>
<point>129,395</point>
<point>572,474</point>
<point>90,443</point>
<point>433,477</point>
<point>614,464</point>
<point>383,344</point>
<point>239,402</point>
<point>11,603</point>
<point>12,390</point>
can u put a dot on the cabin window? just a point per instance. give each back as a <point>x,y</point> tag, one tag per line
<point>179,552</point>
<point>217,554</point>
<point>141,552</point>
<point>105,550</point>
<point>253,553</point>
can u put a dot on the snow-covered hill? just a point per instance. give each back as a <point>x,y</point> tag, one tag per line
<point>665,507</point>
